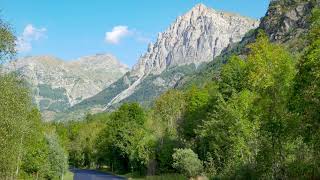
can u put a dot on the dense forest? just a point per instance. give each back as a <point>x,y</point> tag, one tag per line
<point>259,119</point>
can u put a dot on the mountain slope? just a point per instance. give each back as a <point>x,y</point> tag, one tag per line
<point>57,85</point>
<point>285,22</point>
<point>194,38</point>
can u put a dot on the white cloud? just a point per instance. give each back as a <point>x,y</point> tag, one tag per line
<point>29,35</point>
<point>117,33</point>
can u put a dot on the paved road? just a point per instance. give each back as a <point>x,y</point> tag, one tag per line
<point>80,174</point>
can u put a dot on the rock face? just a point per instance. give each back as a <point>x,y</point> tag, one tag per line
<point>58,85</point>
<point>196,37</point>
<point>287,19</point>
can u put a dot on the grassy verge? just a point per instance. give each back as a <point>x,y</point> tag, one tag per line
<point>130,176</point>
<point>158,177</point>
<point>68,176</point>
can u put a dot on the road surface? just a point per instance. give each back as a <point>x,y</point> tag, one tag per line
<point>80,174</point>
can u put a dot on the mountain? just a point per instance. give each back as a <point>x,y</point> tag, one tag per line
<point>57,85</point>
<point>285,22</point>
<point>193,39</point>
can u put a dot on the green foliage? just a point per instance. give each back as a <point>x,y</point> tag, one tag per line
<point>80,144</point>
<point>7,42</point>
<point>24,150</point>
<point>56,157</point>
<point>169,107</point>
<point>14,109</point>
<point>35,158</point>
<point>307,92</point>
<point>197,100</point>
<point>232,76</point>
<point>126,140</point>
<point>187,162</point>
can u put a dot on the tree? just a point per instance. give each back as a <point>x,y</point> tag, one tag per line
<point>125,141</point>
<point>7,42</point>
<point>170,108</point>
<point>233,76</point>
<point>307,92</point>
<point>15,105</point>
<point>187,162</point>
<point>196,106</point>
<point>270,75</point>
<point>35,158</point>
<point>58,161</point>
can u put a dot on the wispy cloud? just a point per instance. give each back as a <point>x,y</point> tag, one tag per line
<point>141,37</point>
<point>117,33</point>
<point>120,32</point>
<point>29,35</point>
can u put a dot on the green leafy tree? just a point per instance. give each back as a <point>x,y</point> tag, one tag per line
<point>35,158</point>
<point>57,158</point>
<point>15,104</point>
<point>196,106</point>
<point>169,107</point>
<point>307,92</point>
<point>126,140</point>
<point>270,74</point>
<point>7,42</point>
<point>233,76</point>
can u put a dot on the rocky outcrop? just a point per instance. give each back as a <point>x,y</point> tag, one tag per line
<point>58,85</point>
<point>287,19</point>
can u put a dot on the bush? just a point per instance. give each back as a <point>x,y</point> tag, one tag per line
<point>187,162</point>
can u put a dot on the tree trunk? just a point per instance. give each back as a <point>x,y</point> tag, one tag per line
<point>19,157</point>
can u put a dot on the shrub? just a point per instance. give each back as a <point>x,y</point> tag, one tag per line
<point>187,162</point>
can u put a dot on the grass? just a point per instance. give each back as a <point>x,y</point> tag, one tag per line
<point>134,176</point>
<point>68,176</point>
<point>159,177</point>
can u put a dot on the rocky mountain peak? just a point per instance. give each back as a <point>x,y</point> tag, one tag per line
<point>100,61</point>
<point>195,37</point>
<point>199,9</point>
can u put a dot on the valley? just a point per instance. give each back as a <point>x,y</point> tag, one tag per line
<point>216,95</point>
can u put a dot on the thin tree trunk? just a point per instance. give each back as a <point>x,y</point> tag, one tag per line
<point>19,156</point>
<point>61,176</point>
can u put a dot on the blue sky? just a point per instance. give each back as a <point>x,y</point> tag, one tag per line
<point>70,29</point>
